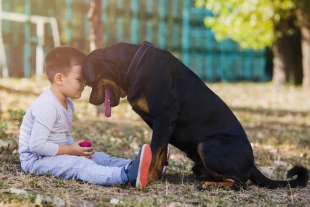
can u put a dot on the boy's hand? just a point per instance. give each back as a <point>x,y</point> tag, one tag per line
<point>83,151</point>
<point>76,149</point>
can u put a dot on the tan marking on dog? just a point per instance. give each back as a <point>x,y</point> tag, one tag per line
<point>228,180</point>
<point>155,170</point>
<point>226,183</point>
<point>121,92</point>
<point>143,105</point>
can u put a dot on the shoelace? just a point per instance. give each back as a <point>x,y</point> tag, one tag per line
<point>130,164</point>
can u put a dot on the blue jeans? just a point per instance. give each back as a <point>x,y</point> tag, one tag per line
<point>101,169</point>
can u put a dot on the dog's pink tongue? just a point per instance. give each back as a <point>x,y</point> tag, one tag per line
<point>107,106</point>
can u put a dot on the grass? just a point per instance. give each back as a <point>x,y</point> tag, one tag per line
<point>276,121</point>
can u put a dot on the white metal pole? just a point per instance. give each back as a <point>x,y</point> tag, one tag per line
<point>40,51</point>
<point>3,64</point>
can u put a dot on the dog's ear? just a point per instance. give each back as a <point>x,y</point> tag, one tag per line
<point>89,70</point>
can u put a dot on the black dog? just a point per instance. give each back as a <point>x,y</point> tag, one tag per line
<point>182,111</point>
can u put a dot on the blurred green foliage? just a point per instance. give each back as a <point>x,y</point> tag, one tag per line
<point>18,116</point>
<point>3,128</point>
<point>251,23</point>
<point>9,144</point>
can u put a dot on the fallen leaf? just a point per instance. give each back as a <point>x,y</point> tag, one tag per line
<point>115,201</point>
<point>38,200</point>
<point>17,191</point>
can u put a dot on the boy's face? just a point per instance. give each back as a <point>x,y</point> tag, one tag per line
<point>73,83</point>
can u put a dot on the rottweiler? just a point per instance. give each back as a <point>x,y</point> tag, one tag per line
<point>181,110</point>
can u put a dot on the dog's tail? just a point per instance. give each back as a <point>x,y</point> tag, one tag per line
<point>301,181</point>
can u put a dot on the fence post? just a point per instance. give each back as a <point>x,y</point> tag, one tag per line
<point>40,51</point>
<point>105,22</point>
<point>175,33</point>
<point>69,17</point>
<point>162,24</point>
<point>149,24</point>
<point>134,22</point>
<point>3,63</point>
<point>27,46</point>
<point>185,33</point>
<point>120,22</point>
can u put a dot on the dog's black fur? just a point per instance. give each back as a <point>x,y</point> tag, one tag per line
<point>182,111</point>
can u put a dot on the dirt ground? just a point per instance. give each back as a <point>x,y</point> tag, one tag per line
<point>276,121</point>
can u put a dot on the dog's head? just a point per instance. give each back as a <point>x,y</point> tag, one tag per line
<point>105,78</point>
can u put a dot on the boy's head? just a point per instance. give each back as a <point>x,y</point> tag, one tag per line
<point>61,59</point>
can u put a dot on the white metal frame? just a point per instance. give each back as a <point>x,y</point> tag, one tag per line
<point>39,21</point>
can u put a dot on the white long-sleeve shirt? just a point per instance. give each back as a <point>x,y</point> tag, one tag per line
<point>45,125</point>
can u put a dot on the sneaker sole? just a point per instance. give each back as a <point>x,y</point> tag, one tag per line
<point>144,165</point>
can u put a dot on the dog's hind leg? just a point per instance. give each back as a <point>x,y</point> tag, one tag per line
<point>202,173</point>
<point>227,160</point>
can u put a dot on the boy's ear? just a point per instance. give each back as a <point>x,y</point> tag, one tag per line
<point>58,78</point>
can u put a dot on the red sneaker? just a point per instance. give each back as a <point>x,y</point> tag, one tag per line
<point>138,169</point>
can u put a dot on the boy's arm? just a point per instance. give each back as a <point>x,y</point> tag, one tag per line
<point>76,149</point>
<point>44,118</point>
<point>64,149</point>
<point>40,145</point>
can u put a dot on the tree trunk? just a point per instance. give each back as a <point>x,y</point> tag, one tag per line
<point>304,20</point>
<point>279,66</point>
<point>94,16</point>
<point>287,54</point>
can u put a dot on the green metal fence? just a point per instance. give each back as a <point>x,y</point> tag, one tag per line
<point>172,25</point>
<point>158,21</point>
<point>214,61</point>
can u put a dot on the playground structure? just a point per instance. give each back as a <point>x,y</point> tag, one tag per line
<point>39,21</point>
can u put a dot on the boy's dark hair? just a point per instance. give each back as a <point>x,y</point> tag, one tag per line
<point>61,59</point>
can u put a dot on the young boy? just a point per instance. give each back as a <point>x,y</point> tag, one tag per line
<point>45,141</point>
